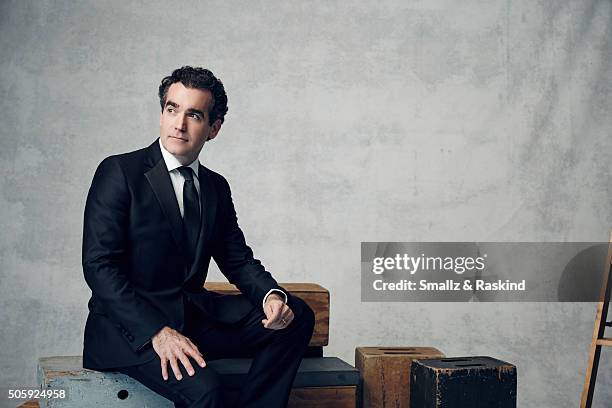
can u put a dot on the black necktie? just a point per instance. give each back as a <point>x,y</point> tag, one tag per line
<point>191,210</point>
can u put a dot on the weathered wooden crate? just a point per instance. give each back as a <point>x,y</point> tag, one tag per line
<point>460,382</point>
<point>385,374</point>
<point>326,382</point>
<point>316,296</point>
<point>29,404</point>
<point>323,397</point>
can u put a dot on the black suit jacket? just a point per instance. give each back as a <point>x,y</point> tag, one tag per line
<point>136,266</point>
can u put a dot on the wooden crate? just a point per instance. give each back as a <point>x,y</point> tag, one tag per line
<point>320,382</point>
<point>459,382</point>
<point>316,296</point>
<point>385,374</point>
<point>323,397</point>
<point>29,404</point>
<point>311,397</point>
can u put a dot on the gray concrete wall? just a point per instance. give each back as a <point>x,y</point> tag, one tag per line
<point>348,122</point>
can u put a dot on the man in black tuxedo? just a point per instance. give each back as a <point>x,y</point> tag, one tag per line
<point>153,220</point>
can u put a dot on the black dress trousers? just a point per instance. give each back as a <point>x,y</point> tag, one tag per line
<point>277,356</point>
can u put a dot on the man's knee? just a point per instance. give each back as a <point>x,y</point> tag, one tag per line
<point>305,317</point>
<point>200,390</point>
<point>211,399</point>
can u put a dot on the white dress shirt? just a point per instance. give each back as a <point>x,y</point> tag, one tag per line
<point>178,181</point>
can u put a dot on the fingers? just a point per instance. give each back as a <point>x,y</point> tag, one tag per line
<point>276,313</point>
<point>287,316</point>
<point>175,368</point>
<point>194,353</point>
<point>182,357</point>
<point>164,368</point>
<point>273,313</point>
<point>174,349</point>
<point>278,318</point>
<point>186,363</point>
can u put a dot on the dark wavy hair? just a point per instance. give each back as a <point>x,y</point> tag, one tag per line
<point>198,78</point>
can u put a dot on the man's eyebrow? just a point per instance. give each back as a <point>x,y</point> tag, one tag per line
<point>195,111</point>
<point>192,110</point>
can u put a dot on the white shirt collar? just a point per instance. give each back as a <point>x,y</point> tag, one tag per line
<point>173,163</point>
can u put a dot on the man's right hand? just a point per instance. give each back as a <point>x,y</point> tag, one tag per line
<point>171,346</point>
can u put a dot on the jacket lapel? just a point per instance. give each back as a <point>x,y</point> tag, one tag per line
<point>161,184</point>
<point>209,209</point>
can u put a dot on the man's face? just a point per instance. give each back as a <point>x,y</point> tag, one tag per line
<point>183,124</point>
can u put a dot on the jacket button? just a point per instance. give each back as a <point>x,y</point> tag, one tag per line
<point>130,338</point>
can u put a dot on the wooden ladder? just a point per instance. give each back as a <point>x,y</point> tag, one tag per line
<point>599,340</point>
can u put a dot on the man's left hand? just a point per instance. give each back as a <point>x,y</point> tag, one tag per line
<point>278,314</point>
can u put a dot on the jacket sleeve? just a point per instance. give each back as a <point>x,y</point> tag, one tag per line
<point>235,258</point>
<point>105,250</point>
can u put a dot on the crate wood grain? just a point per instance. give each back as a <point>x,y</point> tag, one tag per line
<point>323,397</point>
<point>29,404</point>
<point>385,374</point>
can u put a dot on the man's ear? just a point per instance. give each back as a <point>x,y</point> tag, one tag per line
<point>214,129</point>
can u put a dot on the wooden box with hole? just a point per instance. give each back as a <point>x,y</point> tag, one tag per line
<point>459,382</point>
<point>385,374</point>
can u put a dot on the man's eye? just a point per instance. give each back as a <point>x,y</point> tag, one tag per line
<point>195,116</point>
<point>170,109</point>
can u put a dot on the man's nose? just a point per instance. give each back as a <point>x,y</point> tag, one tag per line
<point>181,122</point>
